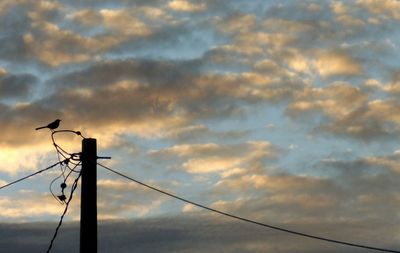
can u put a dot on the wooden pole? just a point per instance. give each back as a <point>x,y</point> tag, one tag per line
<point>88,230</point>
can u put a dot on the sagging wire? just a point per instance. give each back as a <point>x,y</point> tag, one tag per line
<point>293,232</point>
<point>28,176</point>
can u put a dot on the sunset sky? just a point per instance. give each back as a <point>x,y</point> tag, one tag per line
<point>284,112</point>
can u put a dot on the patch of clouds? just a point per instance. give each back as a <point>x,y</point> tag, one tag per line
<point>187,6</point>
<point>211,157</point>
<point>349,111</point>
<point>15,160</point>
<point>31,206</point>
<point>16,85</point>
<point>382,10</point>
<point>123,23</point>
<point>117,200</point>
<point>336,62</point>
<point>391,162</point>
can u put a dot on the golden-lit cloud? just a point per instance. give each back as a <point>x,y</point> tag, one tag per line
<point>337,100</point>
<point>391,162</point>
<point>343,15</point>
<point>349,111</point>
<point>56,46</point>
<point>382,9</point>
<point>210,164</point>
<point>2,71</point>
<point>20,159</point>
<point>116,199</point>
<point>49,51</point>
<point>186,6</point>
<point>288,26</point>
<point>87,17</point>
<point>123,23</point>
<point>210,157</point>
<point>336,62</point>
<point>37,205</point>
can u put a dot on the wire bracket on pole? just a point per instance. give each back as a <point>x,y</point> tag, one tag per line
<point>104,157</point>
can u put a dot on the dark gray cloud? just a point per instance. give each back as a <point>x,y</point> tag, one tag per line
<point>154,73</point>
<point>184,234</point>
<point>201,132</point>
<point>107,3</point>
<point>14,86</point>
<point>13,48</point>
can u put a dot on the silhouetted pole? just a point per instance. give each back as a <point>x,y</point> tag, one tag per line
<point>88,236</point>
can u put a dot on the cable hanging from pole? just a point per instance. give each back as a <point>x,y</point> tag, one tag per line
<point>249,220</point>
<point>73,188</point>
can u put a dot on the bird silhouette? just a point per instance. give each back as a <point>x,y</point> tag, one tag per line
<point>53,125</point>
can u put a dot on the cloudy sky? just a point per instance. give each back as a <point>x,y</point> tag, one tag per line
<point>285,112</point>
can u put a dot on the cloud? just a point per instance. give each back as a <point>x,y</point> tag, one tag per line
<point>56,45</point>
<point>15,160</point>
<point>336,62</point>
<point>237,22</point>
<point>393,88</point>
<point>36,206</point>
<point>171,94</point>
<point>391,162</point>
<point>86,17</point>
<point>123,23</point>
<point>355,189</point>
<point>211,157</point>
<point>336,100</point>
<point>273,194</point>
<point>385,9</point>
<point>186,6</point>
<point>344,16</point>
<point>348,110</point>
<point>183,234</point>
<point>116,200</point>
<point>14,86</point>
<point>201,132</point>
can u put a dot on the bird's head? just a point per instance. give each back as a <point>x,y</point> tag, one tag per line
<point>58,120</point>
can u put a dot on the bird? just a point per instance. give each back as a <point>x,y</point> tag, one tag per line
<point>53,125</point>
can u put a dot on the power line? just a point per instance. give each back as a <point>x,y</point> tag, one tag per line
<point>248,220</point>
<point>31,175</point>
<point>75,184</point>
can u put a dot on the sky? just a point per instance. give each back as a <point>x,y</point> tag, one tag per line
<point>284,112</point>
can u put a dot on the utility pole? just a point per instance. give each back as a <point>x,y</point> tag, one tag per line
<point>88,231</point>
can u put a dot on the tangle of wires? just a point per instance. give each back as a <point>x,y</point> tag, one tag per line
<point>69,166</point>
<point>69,163</point>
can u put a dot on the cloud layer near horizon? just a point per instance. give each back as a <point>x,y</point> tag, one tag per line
<point>178,234</point>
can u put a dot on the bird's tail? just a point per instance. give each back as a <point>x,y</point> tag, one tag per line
<point>40,128</point>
